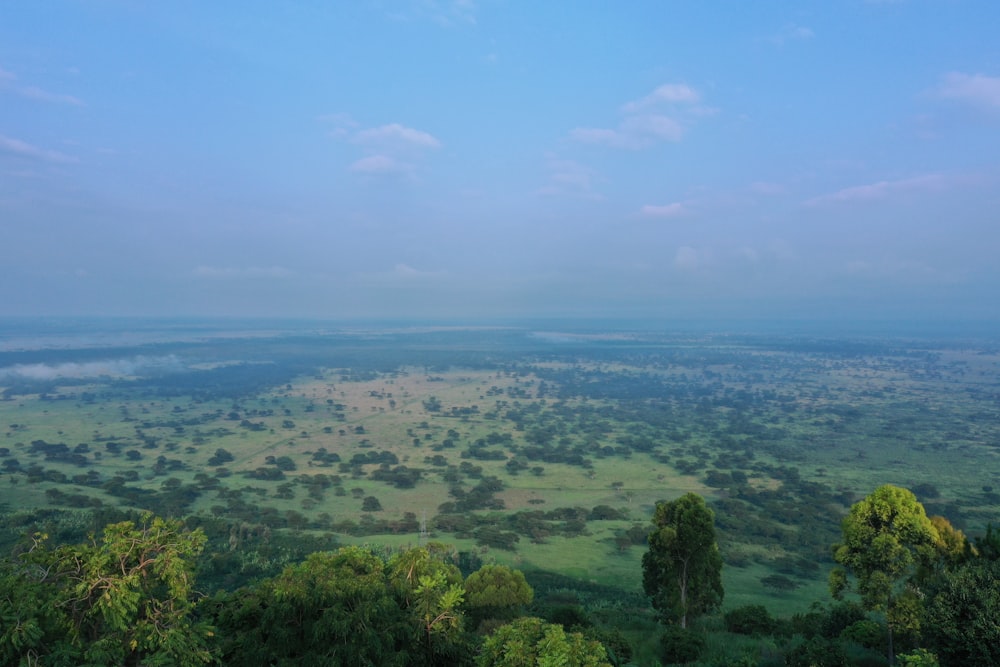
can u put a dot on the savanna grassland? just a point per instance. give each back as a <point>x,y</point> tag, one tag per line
<point>542,450</point>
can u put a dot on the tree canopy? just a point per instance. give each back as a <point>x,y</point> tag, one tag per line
<point>682,569</point>
<point>887,540</point>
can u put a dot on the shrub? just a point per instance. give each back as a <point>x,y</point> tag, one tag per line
<point>751,619</point>
<point>817,652</point>
<point>868,633</point>
<point>679,644</point>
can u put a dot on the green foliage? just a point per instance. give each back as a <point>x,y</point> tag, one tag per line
<point>817,652</point>
<point>125,597</point>
<point>334,608</point>
<point>679,644</point>
<point>431,590</point>
<point>753,619</point>
<point>887,540</point>
<point>496,591</point>
<point>961,622</point>
<point>681,571</point>
<point>919,658</point>
<point>531,642</point>
<point>867,633</point>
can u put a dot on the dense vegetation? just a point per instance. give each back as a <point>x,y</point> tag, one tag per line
<point>292,460</point>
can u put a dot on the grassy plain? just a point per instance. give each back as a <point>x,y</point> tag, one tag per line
<point>781,435</point>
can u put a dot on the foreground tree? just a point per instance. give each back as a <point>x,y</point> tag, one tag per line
<point>496,592</point>
<point>530,642</point>
<point>430,590</point>
<point>335,608</point>
<point>682,570</point>
<point>126,597</point>
<point>887,540</point>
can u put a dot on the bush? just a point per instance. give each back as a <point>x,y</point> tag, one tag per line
<point>751,619</point>
<point>867,633</point>
<point>679,644</point>
<point>817,652</point>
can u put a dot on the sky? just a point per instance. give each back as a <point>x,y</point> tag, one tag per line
<point>496,158</point>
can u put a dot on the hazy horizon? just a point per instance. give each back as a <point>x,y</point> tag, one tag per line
<point>476,160</point>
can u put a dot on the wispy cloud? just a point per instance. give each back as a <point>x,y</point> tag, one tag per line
<point>389,149</point>
<point>401,274</point>
<point>20,149</point>
<point>667,93</point>
<point>654,118</point>
<point>976,89</point>
<point>241,273</point>
<point>9,83</point>
<point>673,210</point>
<point>791,33</point>
<point>396,134</point>
<point>568,177</point>
<point>880,190</point>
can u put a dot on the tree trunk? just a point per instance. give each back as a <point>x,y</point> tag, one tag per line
<point>683,586</point>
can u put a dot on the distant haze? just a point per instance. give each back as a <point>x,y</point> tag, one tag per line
<point>488,159</point>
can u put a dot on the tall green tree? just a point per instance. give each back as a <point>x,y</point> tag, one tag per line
<point>682,569</point>
<point>430,590</point>
<point>887,540</point>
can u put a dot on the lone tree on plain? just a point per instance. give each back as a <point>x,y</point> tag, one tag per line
<point>682,570</point>
<point>887,538</point>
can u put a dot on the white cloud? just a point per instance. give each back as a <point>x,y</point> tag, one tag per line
<point>649,120</point>
<point>21,149</point>
<point>384,146</point>
<point>634,132</point>
<point>234,273</point>
<point>668,92</point>
<point>880,190</point>
<point>397,134</point>
<point>975,89</point>
<point>666,211</point>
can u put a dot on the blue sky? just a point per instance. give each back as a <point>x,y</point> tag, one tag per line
<point>484,158</point>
